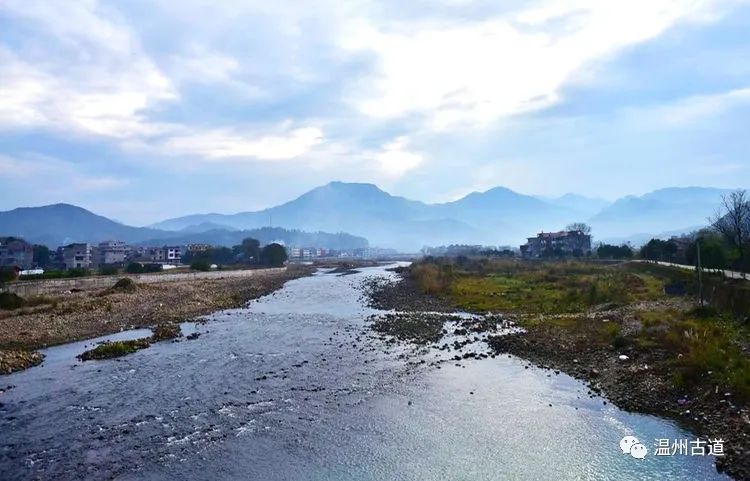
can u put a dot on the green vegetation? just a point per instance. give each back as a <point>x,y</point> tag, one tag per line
<point>10,301</point>
<point>138,268</point>
<point>202,265</point>
<point>110,349</point>
<point>700,346</point>
<point>42,256</point>
<point>108,270</point>
<point>7,275</point>
<point>608,251</point>
<point>125,284</point>
<point>273,255</point>
<point>165,332</point>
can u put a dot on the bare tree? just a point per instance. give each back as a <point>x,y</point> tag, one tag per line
<point>732,221</point>
<point>579,226</point>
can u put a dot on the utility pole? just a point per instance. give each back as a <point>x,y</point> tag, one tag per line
<point>700,273</point>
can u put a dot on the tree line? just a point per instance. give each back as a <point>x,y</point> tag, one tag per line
<point>725,244</point>
<point>248,252</point>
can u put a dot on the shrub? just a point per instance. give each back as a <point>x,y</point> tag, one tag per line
<point>10,300</point>
<point>108,350</point>
<point>164,332</point>
<point>78,272</point>
<point>200,265</point>
<point>125,284</point>
<point>431,278</point>
<point>134,268</point>
<point>108,270</point>
<point>7,275</point>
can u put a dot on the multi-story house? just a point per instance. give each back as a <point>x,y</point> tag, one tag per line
<point>16,252</point>
<point>111,252</point>
<point>561,243</point>
<point>74,256</point>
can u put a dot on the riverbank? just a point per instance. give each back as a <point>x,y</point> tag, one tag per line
<point>74,316</point>
<point>613,328</point>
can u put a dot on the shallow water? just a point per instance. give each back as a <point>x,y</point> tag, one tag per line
<point>294,387</point>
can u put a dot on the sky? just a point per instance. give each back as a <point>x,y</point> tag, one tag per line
<point>146,110</point>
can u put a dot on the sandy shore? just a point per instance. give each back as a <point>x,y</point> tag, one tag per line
<point>87,314</point>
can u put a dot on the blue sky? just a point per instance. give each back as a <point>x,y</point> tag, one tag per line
<point>144,110</point>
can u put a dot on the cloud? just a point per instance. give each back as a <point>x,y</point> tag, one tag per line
<point>689,110</point>
<point>80,71</point>
<point>232,144</point>
<point>478,71</point>
<point>395,160</point>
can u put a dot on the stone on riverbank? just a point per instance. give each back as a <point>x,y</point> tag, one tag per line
<point>18,360</point>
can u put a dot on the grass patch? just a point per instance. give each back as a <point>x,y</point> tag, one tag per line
<point>111,349</point>
<point>704,348</point>
<point>10,301</point>
<point>165,332</point>
<point>553,290</point>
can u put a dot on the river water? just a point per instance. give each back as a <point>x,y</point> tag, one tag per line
<point>294,387</point>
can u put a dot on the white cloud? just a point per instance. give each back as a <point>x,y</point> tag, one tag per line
<point>394,159</point>
<point>80,72</point>
<point>690,110</point>
<point>475,72</point>
<point>232,144</point>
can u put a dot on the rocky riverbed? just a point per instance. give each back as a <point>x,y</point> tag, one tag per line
<point>87,314</point>
<point>634,379</point>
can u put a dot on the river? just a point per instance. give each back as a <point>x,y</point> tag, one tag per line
<point>294,387</point>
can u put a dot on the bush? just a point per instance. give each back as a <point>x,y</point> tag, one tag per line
<point>10,300</point>
<point>164,332</point>
<point>78,272</point>
<point>108,350</point>
<point>108,270</point>
<point>125,284</point>
<point>138,268</point>
<point>200,265</point>
<point>7,275</point>
<point>134,268</point>
<point>431,278</point>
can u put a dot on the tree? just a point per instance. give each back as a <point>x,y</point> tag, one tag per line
<point>200,265</point>
<point>250,249</point>
<point>713,252</point>
<point>732,221</point>
<point>659,250</point>
<point>273,255</point>
<point>222,255</point>
<point>42,256</point>
<point>579,227</point>
<point>608,251</point>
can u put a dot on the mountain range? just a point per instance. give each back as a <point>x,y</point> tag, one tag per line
<point>494,217</point>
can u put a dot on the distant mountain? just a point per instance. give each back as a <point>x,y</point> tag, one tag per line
<point>584,207</point>
<point>361,209</point>
<point>205,227</point>
<point>658,211</point>
<point>494,217</point>
<point>265,235</point>
<point>498,216</point>
<point>59,224</point>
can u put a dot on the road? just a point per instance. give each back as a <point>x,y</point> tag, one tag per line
<point>727,274</point>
